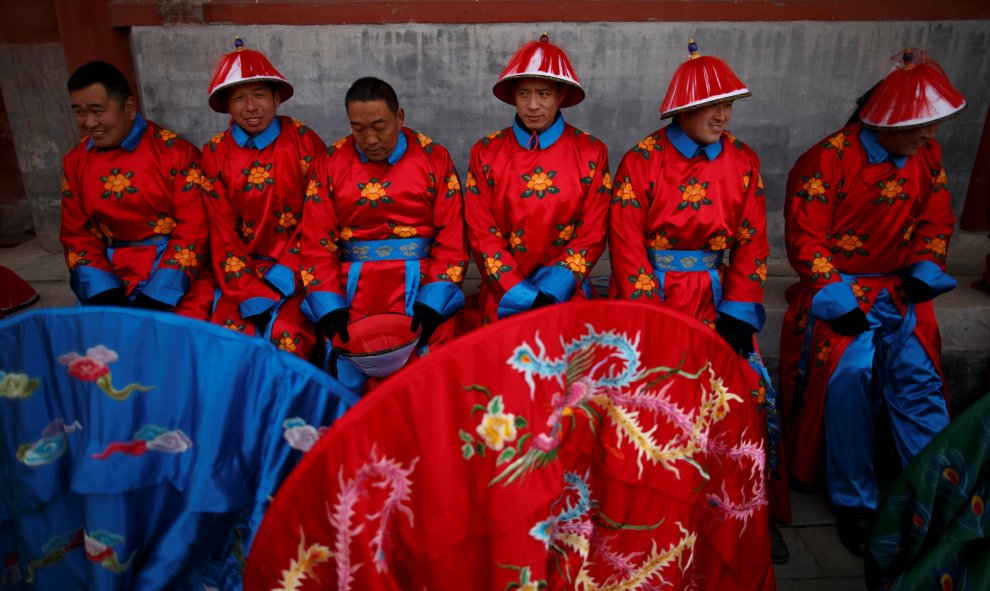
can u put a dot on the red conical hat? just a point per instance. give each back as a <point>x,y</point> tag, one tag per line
<point>15,293</point>
<point>915,93</point>
<point>539,59</point>
<point>701,81</point>
<point>240,66</point>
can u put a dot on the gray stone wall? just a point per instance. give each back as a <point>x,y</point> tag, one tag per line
<point>804,76</point>
<point>33,79</point>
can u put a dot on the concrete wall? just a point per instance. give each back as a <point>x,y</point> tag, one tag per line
<point>804,76</point>
<point>33,80</point>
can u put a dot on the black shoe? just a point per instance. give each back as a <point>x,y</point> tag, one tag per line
<point>854,529</point>
<point>778,548</point>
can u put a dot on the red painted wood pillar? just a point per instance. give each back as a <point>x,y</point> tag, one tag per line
<point>976,211</point>
<point>87,34</point>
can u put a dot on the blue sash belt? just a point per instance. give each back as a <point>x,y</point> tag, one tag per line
<point>410,250</point>
<point>686,261</point>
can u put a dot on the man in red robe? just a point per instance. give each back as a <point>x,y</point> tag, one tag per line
<point>383,230</point>
<point>684,196</point>
<point>869,218</point>
<point>258,171</point>
<point>538,191</point>
<point>133,225</point>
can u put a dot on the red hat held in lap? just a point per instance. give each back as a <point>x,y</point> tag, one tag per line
<point>915,93</point>
<point>539,59</point>
<point>701,81</point>
<point>241,66</point>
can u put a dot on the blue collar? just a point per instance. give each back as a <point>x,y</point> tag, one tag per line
<point>875,152</point>
<point>395,156</point>
<point>133,138</point>
<point>544,139</point>
<point>688,147</point>
<point>260,141</point>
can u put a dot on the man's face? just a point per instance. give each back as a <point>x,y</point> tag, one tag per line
<point>905,142</point>
<point>375,128</point>
<point>104,120</point>
<point>537,102</point>
<point>252,105</point>
<point>704,125</point>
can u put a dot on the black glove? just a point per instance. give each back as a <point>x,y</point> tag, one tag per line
<point>143,301</point>
<point>541,300</point>
<point>334,323</point>
<point>261,319</point>
<point>851,323</point>
<point>737,333</point>
<point>917,290</point>
<point>426,317</point>
<point>110,297</point>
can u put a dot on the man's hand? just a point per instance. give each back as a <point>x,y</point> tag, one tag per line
<point>917,290</point>
<point>851,323</point>
<point>737,333</point>
<point>110,297</point>
<point>427,318</point>
<point>143,301</point>
<point>334,323</point>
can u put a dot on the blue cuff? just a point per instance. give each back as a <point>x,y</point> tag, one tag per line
<point>322,303</point>
<point>518,299</point>
<point>751,313</point>
<point>253,306</point>
<point>555,281</point>
<point>932,275</point>
<point>445,298</point>
<point>167,286</point>
<point>281,278</point>
<point>86,282</point>
<point>833,300</point>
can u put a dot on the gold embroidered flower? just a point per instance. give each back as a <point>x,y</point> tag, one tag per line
<point>233,264</point>
<point>306,276</point>
<point>116,183</point>
<point>455,273</point>
<point>647,144</point>
<point>577,263</point>
<point>821,265</point>
<point>567,233</point>
<point>166,134</point>
<point>849,242</point>
<point>72,259</point>
<point>346,232</point>
<point>404,231</point>
<point>165,225</point>
<point>694,193</point>
<point>626,192</point>
<point>492,265</point>
<point>814,187</point>
<point>660,242</point>
<point>540,182</point>
<point>497,429</point>
<point>287,343</point>
<point>453,183</point>
<point>515,239</point>
<point>761,271</point>
<point>891,189</point>
<point>717,243</point>
<point>186,258</point>
<point>311,189</point>
<point>373,191</point>
<point>258,175</point>
<point>423,140</point>
<point>287,219</point>
<point>194,176</point>
<point>607,181</point>
<point>645,283</point>
<point>938,246</point>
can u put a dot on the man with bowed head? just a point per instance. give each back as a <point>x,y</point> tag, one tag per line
<point>258,170</point>
<point>383,230</point>
<point>869,218</point>
<point>538,191</point>
<point>133,225</point>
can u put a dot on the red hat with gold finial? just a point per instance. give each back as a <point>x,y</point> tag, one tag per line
<point>240,66</point>
<point>915,93</point>
<point>701,81</point>
<point>539,59</point>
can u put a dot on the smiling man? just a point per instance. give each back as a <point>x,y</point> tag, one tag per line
<point>133,225</point>
<point>258,171</point>
<point>686,195</point>
<point>869,218</point>
<point>537,191</point>
<point>383,230</point>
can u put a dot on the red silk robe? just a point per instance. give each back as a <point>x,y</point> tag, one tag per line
<point>537,219</point>
<point>255,204</point>
<point>557,449</point>
<point>134,218</point>
<point>845,215</point>
<point>362,221</point>
<point>664,201</point>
